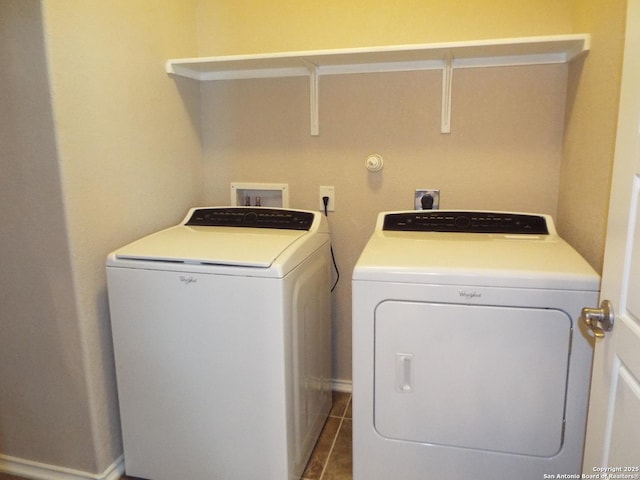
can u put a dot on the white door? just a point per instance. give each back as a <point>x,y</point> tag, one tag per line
<point>613,430</point>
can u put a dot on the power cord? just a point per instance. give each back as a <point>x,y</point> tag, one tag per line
<point>325,201</point>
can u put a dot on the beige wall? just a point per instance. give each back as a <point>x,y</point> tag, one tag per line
<point>43,386</point>
<point>111,146</point>
<point>592,113</point>
<point>504,151</point>
<point>233,27</point>
<point>97,151</point>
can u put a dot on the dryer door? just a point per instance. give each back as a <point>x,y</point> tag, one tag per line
<point>481,377</point>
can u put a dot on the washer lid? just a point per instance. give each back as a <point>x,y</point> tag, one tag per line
<point>236,246</point>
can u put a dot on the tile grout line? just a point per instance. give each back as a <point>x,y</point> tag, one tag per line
<point>341,416</point>
<point>333,444</point>
<point>335,438</point>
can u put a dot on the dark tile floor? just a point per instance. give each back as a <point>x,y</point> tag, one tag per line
<point>331,458</point>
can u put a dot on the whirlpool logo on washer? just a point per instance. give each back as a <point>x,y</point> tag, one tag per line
<point>470,295</point>
<point>188,280</point>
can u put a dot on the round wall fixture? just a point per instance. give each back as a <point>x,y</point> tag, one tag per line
<point>374,163</point>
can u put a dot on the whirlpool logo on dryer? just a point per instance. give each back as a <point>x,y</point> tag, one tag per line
<point>188,280</point>
<point>469,295</point>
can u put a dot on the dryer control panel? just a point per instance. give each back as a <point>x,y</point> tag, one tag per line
<point>252,218</point>
<point>466,222</point>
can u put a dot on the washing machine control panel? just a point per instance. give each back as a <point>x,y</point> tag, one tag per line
<point>466,222</point>
<point>251,217</point>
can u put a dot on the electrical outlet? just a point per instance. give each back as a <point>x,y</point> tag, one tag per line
<point>426,199</point>
<point>331,193</point>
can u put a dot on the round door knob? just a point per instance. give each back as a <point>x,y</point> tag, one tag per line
<point>599,320</point>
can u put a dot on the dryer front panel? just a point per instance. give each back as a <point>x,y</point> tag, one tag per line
<point>479,377</point>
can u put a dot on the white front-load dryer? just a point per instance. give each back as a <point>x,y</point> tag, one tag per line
<point>221,333</point>
<point>468,358</point>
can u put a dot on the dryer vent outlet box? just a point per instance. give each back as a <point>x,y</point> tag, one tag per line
<point>274,195</point>
<point>425,199</point>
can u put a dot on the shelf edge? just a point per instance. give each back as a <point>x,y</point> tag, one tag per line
<point>526,50</point>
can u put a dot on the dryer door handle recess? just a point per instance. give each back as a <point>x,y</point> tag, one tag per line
<point>404,372</point>
<point>599,320</point>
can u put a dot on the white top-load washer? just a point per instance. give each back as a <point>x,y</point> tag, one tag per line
<point>221,332</point>
<point>468,357</point>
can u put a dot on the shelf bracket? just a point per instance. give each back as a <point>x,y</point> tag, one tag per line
<point>447,81</point>
<point>314,84</point>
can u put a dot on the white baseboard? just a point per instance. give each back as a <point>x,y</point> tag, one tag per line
<point>42,471</point>
<point>341,386</point>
